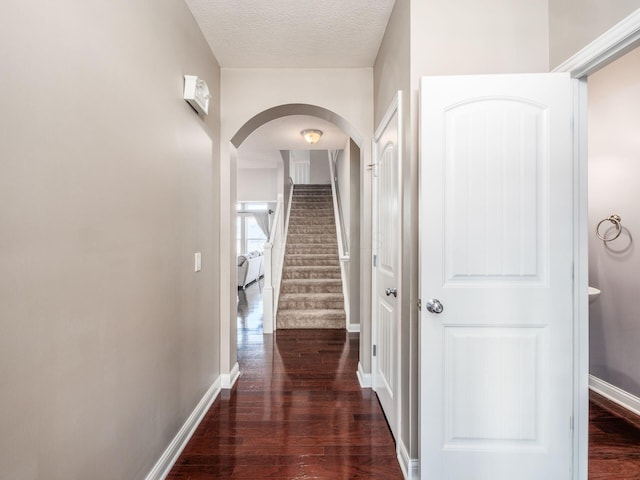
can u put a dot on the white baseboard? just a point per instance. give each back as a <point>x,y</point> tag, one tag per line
<point>353,327</point>
<point>169,457</point>
<point>615,394</point>
<point>410,467</point>
<point>363,378</point>
<point>228,380</point>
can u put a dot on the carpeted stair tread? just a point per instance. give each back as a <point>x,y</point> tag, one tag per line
<point>312,248</point>
<point>311,287</point>
<point>311,229</point>
<point>333,318</point>
<point>307,239</point>
<point>311,301</point>
<point>310,272</point>
<point>303,259</point>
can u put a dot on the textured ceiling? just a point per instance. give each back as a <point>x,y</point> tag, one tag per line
<point>293,33</point>
<point>262,148</point>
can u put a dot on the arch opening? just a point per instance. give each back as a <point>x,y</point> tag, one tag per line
<point>295,109</point>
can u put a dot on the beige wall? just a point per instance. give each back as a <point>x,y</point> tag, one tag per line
<point>355,235</point>
<point>107,336</point>
<point>471,37</point>
<point>614,267</point>
<point>319,167</point>
<point>257,184</point>
<point>573,24</point>
<point>392,73</point>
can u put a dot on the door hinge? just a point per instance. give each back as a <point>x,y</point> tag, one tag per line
<point>375,260</point>
<point>375,350</point>
<point>419,304</point>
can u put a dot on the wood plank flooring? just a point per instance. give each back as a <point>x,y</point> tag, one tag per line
<point>297,411</point>
<point>614,441</point>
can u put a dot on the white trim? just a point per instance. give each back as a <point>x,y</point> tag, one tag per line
<point>612,44</point>
<point>169,457</point>
<point>615,394</point>
<point>353,328</point>
<point>228,380</point>
<point>580,285</point>
<point>364,379</point>
<point>395,108</point>
<point>615,42</point>
<point>410,467</point>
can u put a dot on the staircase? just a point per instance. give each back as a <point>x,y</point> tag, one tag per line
<point>311,288</point>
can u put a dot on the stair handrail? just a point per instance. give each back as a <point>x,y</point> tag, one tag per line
<point>271,282</point>
<point>343,243</point>
<point>273,263</point>
<point>284,245</point>
<point>343,248</point>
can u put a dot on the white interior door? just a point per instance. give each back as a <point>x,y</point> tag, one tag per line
<point>496,243</point>
<point>386,266</point>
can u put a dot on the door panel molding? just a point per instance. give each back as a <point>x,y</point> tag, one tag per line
<point>495,365</point>
<point>387,269</point>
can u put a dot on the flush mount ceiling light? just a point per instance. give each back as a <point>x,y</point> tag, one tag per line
<point>311,135</point>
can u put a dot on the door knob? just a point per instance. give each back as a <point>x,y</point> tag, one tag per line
<point>434,305</point>
<point>391,291</point>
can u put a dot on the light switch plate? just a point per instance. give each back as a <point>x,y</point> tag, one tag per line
<point>198,261</point>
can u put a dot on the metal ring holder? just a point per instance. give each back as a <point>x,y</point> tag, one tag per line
<point>615,219</point>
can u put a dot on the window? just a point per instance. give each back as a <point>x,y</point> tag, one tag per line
<point>249,236</point>
<point>254,235</point>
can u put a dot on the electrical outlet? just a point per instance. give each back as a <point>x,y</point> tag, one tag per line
<point>198,261</point>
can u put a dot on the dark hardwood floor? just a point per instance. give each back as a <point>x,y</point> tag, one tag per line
<point>297,411</point>
<point>614,441</point>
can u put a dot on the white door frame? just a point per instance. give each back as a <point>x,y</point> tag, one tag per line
<point>614,43</point>
<point>395,108</point>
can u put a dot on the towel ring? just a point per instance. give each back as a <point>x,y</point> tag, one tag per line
<point>615,219</point>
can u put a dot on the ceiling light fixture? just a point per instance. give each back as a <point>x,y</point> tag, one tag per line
<point>311,135</point>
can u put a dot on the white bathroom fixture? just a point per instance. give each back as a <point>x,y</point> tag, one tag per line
<point>594,293</point>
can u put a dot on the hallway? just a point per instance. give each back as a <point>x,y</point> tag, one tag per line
<point>297,411</point>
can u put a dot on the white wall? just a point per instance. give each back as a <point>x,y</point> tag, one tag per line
<point>108,339</point>
<point>614,175</point>
<point>246,92</point>
<point>257,184</point>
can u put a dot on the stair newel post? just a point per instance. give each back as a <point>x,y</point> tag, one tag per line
<point>273,252</point>
<point>267,290</point>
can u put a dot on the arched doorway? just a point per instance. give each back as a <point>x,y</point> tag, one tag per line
<point>360,281</point>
